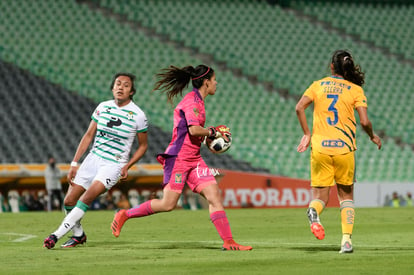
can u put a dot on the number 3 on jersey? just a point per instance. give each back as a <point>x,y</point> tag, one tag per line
<point>332,108</point>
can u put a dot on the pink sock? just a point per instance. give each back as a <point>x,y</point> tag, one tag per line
<point>144,209</point>
<point>222,225</point>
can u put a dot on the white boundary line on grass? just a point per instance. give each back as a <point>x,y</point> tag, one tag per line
<point>23,237</point>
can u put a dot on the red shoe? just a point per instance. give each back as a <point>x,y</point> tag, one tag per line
<point>119,220</point>
<point>50,242</point>
<point>318,230</point>
<point>232,245</point>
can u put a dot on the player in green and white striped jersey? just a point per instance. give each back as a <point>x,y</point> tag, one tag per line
<point>116,130</point>
<point>113,127</point>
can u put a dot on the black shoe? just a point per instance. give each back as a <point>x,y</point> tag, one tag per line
<point>74,241</point>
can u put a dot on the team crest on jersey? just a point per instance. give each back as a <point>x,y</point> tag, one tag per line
<point>196,111</point>
<point>178,178</point>
<point>130,116</point>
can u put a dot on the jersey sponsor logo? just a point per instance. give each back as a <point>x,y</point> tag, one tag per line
<point>335,83</point>
<point>192,121</point>
<point>333,143</point>
<point>206,172</point>
<point>114,122</point>
<point>109,136</point>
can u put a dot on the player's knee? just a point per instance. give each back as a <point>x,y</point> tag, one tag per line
<point>69,202</point>
<point>216,203</point>
<point>169,207</point>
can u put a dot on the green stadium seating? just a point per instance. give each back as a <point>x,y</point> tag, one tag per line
<point>244,44</point>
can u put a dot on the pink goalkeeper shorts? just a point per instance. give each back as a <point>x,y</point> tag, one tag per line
<point>177,173</point>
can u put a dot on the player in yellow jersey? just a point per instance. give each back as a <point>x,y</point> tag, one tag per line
<point>333,140</point>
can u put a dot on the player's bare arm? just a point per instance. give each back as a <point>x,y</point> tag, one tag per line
<point>301,106</point>
<point>82,147</point>
<point>198,131</point>
<point>367,126</point>
<point>142,148</point>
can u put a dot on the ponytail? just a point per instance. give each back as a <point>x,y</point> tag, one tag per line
<point>174,80</point>
<point>343,65</point>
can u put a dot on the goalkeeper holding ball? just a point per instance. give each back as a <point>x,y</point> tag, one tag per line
<point>181,160</point>
<point>333,140</point>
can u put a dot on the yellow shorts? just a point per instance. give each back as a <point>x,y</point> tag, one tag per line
<point>326,170</point>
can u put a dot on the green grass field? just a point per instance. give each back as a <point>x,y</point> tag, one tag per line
<point>185,242</point>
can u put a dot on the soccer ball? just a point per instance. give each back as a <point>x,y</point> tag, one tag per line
<point>218,145</point>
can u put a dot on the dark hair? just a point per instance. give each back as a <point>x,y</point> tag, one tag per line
<point>343,64</point>
<point>131,77</point>
<point>173,80</point>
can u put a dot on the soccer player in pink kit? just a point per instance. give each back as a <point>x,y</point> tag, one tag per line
<point>182,162</point>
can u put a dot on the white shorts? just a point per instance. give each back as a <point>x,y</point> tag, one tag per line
<point>95,168</point>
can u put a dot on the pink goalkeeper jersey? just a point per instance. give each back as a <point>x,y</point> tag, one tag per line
<point>190,111</point>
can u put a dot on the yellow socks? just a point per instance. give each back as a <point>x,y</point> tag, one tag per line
<point>347,216</point>
<point>318,205</point>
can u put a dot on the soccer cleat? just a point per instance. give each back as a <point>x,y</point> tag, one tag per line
<point>50,241</point>
<point>312,215</point>
<point>315,224</point>
<point>346,248</point>
<point>119,220</point>
<point>318,230</point>
<point>74,241</point>
<point>232,245</point>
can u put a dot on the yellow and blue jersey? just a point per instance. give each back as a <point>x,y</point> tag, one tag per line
<point>334,124</point>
